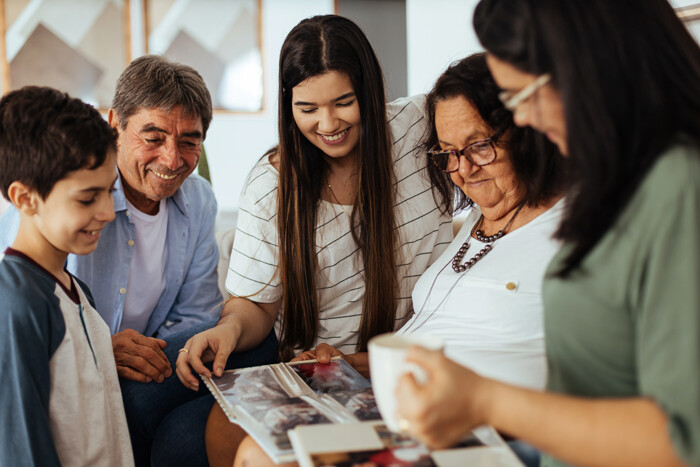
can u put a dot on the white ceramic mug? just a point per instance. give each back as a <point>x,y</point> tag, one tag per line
<point>387,362</point>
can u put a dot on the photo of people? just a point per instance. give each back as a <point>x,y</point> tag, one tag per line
<point>335,376</point>
<point>399,451</point>
<point>258,384</point>
<point>360,403</point>
<point>284,414</point>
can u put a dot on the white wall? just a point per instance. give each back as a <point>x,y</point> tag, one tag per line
<point>438,32</point>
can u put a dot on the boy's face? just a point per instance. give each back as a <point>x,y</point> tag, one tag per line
<point>78,207</point>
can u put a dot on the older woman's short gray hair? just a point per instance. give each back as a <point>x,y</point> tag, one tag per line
<point>152,82</point>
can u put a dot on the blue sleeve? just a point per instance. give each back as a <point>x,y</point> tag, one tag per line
<point>31,329</point>
<point>9,225</point>
<point>199,299</point>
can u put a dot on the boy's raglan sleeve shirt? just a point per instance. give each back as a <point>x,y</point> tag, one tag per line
<point>31,329</point>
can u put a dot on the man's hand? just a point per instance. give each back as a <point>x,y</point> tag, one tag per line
<point>140,358</point>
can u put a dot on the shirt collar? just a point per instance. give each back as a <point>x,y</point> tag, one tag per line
<point>119,198</point>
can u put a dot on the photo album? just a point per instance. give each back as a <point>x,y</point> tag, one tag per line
<point>269,400</point>
<point>373,444</point>
<point>326,415</point>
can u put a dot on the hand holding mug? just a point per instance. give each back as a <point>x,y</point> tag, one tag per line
<point>443,409</point>
<point>387,361</point>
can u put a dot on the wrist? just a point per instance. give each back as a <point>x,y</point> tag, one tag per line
<point>485,397</point>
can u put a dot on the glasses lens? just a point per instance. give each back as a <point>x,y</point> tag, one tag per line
<point>441,159</point>
<point>482,152</point>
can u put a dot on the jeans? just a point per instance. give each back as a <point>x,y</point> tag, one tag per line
<point>527,454</point>
<point>166,420</point>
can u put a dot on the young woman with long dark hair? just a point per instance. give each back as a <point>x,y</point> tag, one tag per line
<point>615,85</point>
<point>338,221</point>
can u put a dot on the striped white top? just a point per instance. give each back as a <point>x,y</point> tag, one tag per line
<point>423,235</point>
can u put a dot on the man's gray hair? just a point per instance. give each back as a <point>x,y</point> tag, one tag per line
<point>152,82</point>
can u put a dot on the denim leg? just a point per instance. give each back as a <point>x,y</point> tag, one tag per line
<point>147,404</point>
<point>179,438</point>
<point>528,455</point>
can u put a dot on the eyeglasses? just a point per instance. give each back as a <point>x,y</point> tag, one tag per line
<point>480,153</point>
<point>511,100</point>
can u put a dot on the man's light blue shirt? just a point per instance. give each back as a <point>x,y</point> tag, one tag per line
<point>191,295</point>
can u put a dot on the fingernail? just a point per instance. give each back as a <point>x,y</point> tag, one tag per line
<point>160,378</point>
<point>148,380</point>
<point>168,373</point>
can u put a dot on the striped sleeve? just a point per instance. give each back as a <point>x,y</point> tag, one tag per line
<point>252,271</point>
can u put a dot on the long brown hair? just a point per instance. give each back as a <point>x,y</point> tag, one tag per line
<point>315,46</point>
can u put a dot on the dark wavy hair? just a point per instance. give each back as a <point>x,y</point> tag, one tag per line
<point>536,161</point>
<point>45,134</point>
<point>628,73</point>
<point>315,46</point>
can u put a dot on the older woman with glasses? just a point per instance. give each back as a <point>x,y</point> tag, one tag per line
<point>483,295</point>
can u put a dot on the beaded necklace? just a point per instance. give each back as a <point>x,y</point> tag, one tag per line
<point>488,239</point>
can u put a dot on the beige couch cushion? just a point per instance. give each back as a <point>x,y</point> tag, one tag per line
<point>224,240</point>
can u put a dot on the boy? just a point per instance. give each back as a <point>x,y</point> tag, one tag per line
<point>60,403</point>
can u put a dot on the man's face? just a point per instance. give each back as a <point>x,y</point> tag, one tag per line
<point>156,152</point>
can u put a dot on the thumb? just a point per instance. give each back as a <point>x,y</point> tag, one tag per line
<point>426,359</point>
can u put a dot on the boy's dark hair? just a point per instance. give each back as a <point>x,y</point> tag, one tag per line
<point>45,134</point>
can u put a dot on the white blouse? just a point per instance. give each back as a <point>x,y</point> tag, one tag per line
<point>490,317</point>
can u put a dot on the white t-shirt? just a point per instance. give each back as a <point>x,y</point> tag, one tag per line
<point>147,267</point>
<point>490,317</point>
<point>423,232</point>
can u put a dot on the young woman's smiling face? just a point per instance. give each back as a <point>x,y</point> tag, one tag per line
<point>326,110</point>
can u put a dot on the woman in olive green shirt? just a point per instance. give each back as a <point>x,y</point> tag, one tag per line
<point>615,84</point>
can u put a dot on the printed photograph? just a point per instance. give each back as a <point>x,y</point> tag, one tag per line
<point>399,451</point>
<point>281,415</point>
<point>331,377</point>
<point>360,403</point>
<point>251,386</point>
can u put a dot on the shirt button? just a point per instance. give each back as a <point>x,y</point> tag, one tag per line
<point>510,286</point>
<point>122,291</point>
<point>131,243</point>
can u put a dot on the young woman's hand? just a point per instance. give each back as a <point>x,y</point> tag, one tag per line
<point>215,344</point>
<point>448,406</point>
<point>324,352</point>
